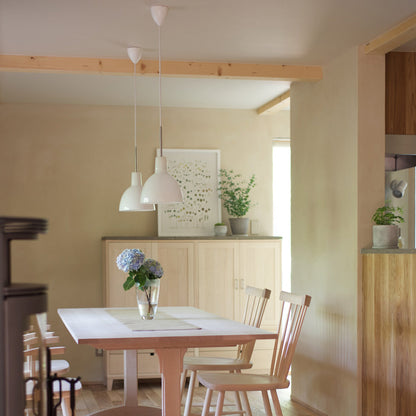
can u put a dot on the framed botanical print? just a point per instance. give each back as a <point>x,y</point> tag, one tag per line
<point>196,171</point>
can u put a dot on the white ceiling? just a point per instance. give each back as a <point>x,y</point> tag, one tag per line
<point>21,87</point>
<point>309,32</point>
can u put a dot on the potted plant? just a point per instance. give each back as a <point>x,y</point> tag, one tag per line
<point>386,232</point>
<point>235,194</point>
<point>220,229</point>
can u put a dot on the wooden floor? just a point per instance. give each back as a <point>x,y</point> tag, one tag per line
<point>94,397</point>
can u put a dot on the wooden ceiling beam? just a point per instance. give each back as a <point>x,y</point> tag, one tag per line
<point>393,38</point>
<point>19,63</point>
<point>274,104</point>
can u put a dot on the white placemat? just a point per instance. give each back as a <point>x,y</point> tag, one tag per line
<point>162,321</point>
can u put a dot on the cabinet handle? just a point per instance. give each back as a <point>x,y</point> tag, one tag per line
<point>236,284</point>
<point>242,284</point>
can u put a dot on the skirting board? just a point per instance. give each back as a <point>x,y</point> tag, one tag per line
<point>312,409</point>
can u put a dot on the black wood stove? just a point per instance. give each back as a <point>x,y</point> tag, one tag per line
<point>19,304</point>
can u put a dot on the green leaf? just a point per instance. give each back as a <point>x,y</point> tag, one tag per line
<point>387,215</point>
<point>140,279</point>
<point>129,283</point>
<point>234,192</point>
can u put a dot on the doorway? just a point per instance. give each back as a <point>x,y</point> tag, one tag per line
<point>282,204</point>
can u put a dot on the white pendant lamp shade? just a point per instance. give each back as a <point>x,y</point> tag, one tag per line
<point>159,13</point>
<point>134,54</point>
<point>161,188</point>
<point>130,200</point>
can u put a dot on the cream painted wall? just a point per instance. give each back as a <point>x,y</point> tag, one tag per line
<point>278,123</point>
<point>70,164</point>
<point>371,154</point>
<point>331,207</point>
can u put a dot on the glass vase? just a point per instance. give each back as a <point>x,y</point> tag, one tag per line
<point>148,298</point>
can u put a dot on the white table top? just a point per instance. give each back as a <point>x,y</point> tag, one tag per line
<point>98,328</point>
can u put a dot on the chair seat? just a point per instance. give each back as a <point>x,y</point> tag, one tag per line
<point>214,364</point>
<point>241,382</point>
<point>58,367</point>
<point>65,388</point>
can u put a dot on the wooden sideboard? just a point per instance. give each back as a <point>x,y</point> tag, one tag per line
<point>208,273</point>
<point>389,333</point>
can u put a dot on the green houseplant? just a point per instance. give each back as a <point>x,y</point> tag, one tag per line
<point>386,231</point>
<point>234,192</point>
<point>387,215</point>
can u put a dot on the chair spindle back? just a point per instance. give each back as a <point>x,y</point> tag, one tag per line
<point>255,305</point>
<point>292,315</point>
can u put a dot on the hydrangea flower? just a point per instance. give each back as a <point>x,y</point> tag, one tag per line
<point>154,268</point>
<point>130,260</point>
<point>140,271</point>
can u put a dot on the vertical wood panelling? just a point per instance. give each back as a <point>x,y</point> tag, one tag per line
<point>410,92</point>
<point>395,94</point>
<point>258,262</point>
<point>401,93</point>
<point>334,331</point>
<point>389,335</point>
<point>176,258</point>
<point>217,272</point>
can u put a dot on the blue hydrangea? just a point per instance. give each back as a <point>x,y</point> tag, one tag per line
<point>130,259</point>
<point>154,268</point>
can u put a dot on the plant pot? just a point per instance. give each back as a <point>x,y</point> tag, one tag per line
<point>239,226</point>
<point>148,298</point>
<point>220,230</point>
<point>386,236</point>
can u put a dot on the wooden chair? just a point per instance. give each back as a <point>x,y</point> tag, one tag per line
<point>255,304</point>
<point>31,350</point>
<point>31,340</point>
<point>291,319</point>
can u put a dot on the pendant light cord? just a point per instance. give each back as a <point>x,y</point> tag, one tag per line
<point>160,99</point>
<point>135,122</point>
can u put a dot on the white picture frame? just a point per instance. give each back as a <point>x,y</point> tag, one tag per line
<point>197,172</point>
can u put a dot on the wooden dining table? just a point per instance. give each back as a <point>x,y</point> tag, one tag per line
<point>174,330</point>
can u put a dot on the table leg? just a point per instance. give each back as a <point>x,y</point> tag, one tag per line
<point>130,378</point>
<point>130,407</point>
<point>171,363</point>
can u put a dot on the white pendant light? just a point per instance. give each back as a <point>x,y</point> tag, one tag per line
<point>130,200</point>
<point>160,188</point>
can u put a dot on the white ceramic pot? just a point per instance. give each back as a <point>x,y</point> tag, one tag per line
<point>220,230</point>
<point>386,236</point>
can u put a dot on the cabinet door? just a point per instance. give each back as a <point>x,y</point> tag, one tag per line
<point>216,271</point>
<point>115,295</point>
<point>176,285</point>
<point>260,266</point>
